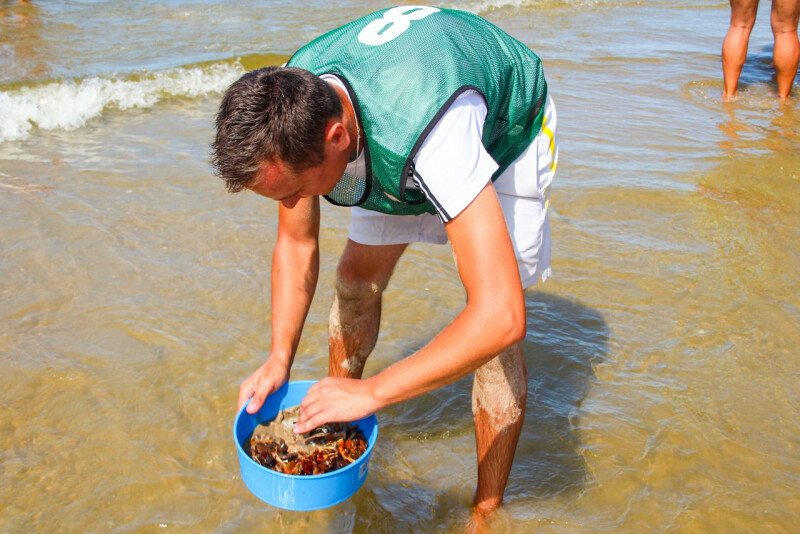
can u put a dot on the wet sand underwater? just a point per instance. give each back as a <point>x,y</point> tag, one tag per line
<point>134,290</point>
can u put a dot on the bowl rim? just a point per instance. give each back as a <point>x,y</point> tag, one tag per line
<point>240,449</point>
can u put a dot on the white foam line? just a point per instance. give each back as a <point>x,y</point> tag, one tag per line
<point>70,104</point>
<point>480,6</point>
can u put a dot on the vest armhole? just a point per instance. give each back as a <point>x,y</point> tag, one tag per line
<point>424,135</point>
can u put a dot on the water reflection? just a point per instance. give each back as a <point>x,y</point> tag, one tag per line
<point>754,126</point>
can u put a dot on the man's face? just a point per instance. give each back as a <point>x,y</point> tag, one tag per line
<point>279,182</point>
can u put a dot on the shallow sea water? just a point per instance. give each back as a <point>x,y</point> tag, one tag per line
<point>134,290</point>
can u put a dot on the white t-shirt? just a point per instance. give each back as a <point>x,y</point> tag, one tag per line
<point>452,166</point>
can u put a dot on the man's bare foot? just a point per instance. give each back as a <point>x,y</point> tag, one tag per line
<point>478,523</point>
<point>485,520</point>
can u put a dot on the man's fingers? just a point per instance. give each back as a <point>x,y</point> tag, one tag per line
<point>256,401</point>
<point>309,419</point>
<point>309,423</point>
<point>314,394</point>
<point>245,392</point>
<point>302,428</point>
<point>306,413</point>
<point>262,390</point>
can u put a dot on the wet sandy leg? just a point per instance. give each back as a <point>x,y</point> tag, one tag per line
<point>499,393</point>
<point>355,317</point>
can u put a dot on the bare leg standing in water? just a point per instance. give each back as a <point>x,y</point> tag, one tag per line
<point>785,14</point>
<point>734,47</point>
<point>361,277</point>
<point>499,392</point>
<point>786,51</point>
<point>499,387</point>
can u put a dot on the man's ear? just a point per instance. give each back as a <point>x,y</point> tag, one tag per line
<point>337,135</point>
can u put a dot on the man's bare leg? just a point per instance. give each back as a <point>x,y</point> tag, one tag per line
<point>734,47</point>
<point>361,277</point>
<point>499,392</point>
<point>786,53</point>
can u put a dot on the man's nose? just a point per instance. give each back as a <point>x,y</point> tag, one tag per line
<point>291,201</point>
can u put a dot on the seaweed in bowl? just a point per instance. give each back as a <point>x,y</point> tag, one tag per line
<point>324,449</point>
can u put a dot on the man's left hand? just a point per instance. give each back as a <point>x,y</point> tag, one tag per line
<point>335,400</point>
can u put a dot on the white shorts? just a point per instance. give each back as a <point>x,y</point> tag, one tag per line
<point>523,190</point>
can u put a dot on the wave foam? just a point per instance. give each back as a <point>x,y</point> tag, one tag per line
<point>483,6</point>
<point>70,104</point>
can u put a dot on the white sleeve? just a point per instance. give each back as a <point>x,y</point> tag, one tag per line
<point>452,166</point>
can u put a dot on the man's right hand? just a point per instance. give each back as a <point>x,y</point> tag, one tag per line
<point>262,383</point>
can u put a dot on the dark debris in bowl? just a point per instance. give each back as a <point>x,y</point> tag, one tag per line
<point>324,449</point>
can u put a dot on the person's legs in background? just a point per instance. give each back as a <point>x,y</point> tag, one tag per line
<point>786,54</point>
<point>734,47</point>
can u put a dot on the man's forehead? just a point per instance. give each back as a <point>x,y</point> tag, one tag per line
<point>274,171</point>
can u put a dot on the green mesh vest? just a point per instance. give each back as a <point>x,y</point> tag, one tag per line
<point>403,68</point>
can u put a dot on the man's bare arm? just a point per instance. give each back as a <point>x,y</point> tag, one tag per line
<point>295,270</point>
<point>492,320</point>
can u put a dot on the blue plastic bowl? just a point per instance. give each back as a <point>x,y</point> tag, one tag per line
<point>298,492</point>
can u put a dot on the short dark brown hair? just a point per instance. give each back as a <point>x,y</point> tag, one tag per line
<point>271,113</point>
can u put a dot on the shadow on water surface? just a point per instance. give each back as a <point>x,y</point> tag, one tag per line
<point>565,340</point>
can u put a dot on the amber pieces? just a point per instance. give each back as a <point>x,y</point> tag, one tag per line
<point>327,448</point>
